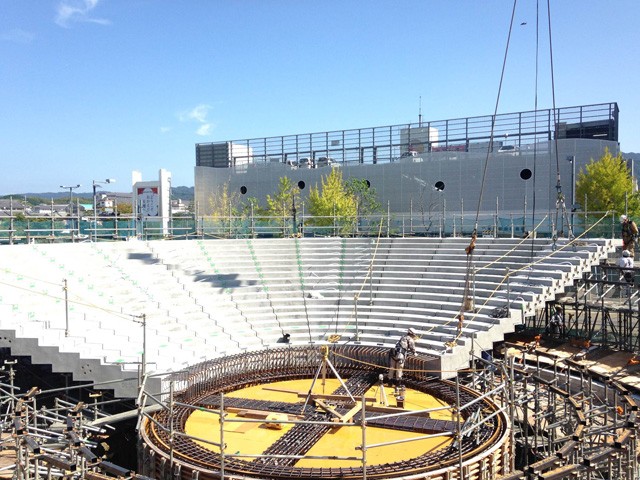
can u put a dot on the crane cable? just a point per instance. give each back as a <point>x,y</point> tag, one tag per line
<point>535,143</point>
<point>453,343</point>
<point>336,336</point>
<point>559,195</point>
<point>570,243</point>
<point>467,300</point>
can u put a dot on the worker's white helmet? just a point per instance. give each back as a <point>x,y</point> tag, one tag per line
<point>623,218</point>
<point>411,332</point>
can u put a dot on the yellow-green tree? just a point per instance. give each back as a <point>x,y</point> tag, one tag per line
<point>224,208</point>
<point>283,206</point>
<point>365,195</point>
<point>223,203</point>
<point>125,209</point>
<point>252,206</point>
<point>333,204</point>
<point>281,203</point>
<point>607,185</point>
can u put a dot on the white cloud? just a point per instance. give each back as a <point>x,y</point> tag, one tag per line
<point>69,11</point>
<point>198,114</point>
<point>165,129</point>
<point>204,130</point>
<point>17,35</point>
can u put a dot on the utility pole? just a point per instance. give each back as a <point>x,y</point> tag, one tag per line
<point>66,308</point>
<point>142,320</point>
<point>96,185</point>
<point>71,188</point>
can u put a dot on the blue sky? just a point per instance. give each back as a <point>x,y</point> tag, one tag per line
<point>94,89</point>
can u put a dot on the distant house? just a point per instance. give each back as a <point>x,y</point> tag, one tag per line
<point>9,206</point>
<point>48,210</point>
<point>122,197</point>
<point>179,206</point>
<point>104,204</point>
<point>107,203</point>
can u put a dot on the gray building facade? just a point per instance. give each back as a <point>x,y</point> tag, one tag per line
<point>441,169</point>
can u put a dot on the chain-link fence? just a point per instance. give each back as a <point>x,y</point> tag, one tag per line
<point>20,229</point>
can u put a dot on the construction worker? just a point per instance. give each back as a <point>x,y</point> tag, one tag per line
<point>629,231</point>
<point>460,318</point>
<point>397,356</point>
<point>556,322</point>
<point>625,263</point>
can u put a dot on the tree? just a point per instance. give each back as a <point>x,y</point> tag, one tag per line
<point>333,203</point>
<point>281,204</point>
<point>125,209</point>
<point>608,185</point>
<point>284,204</point>
<point>224,203</point>
<point>365,195</point>
<point>430,206</point>
<point>252,205</point>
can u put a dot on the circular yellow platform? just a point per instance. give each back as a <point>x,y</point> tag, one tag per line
<point>254,438</point>
<point>304,412</point>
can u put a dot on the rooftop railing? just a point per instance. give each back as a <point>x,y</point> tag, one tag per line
<point>383,144</point>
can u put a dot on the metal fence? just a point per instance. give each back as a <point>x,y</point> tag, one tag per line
<point>18,229</point>
<point>372,145</point>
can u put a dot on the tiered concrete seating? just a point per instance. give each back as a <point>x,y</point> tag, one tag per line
<point>206,298</point>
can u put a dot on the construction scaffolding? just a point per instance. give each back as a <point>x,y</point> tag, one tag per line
<point>65,440</point>
<point>568,422</point>
<point>602,310</point>
<point>531,414</point>
<point>575,411</point>
<point>477,434</point>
